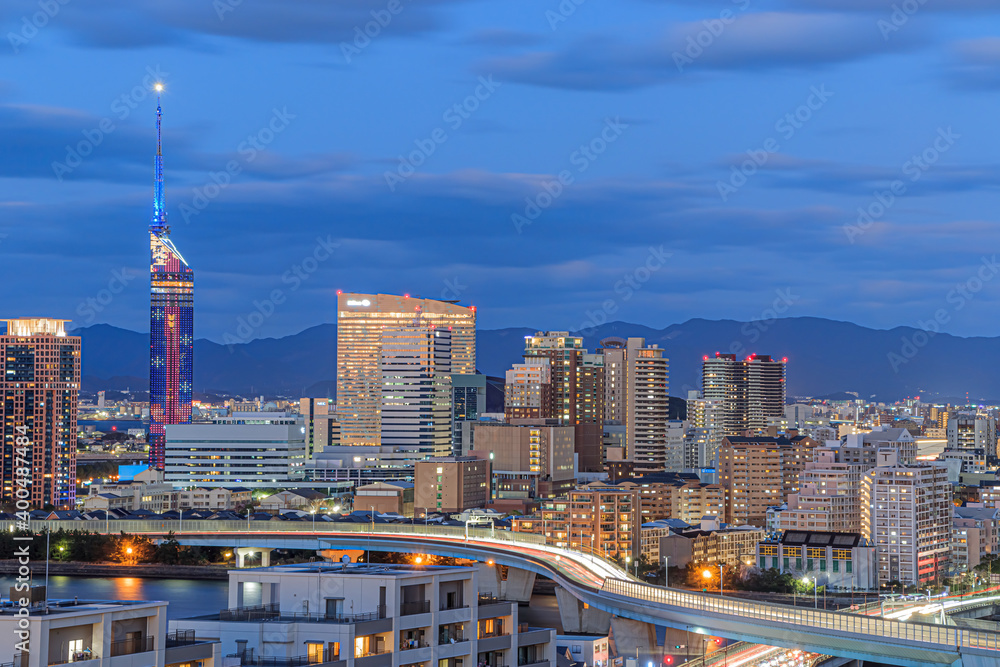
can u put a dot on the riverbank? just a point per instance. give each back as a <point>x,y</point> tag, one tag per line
<point>146,570</point>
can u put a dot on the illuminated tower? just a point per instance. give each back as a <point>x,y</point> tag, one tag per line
<point>171,319</point>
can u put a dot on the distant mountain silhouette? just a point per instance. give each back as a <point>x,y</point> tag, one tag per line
<point>825,358</point>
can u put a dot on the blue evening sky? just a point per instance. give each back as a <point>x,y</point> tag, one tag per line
<point>821,103</point>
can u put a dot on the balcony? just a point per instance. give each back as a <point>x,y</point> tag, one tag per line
<point>411,608</point>
<point>132,646</point>
<point>248,659</point>
<point>264,612</point>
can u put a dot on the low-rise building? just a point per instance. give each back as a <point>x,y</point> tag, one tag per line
<point>386,498</point>
<point>292,499</point>
<point>585,650</point>
<point>365,615</point>
<point>841,561</point>
<point>711,543</point>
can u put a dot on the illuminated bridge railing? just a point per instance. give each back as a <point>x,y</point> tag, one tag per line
<point>161,527</point>
<point>817,620</point>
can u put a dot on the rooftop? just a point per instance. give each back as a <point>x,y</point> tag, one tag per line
<point>10,608</point>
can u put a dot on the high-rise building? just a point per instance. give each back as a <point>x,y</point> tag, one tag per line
<point>577,379</point>
<point>41,386</point>
<point>468,403</point>
<point>362,320</point>
<point>171,320</point>
<point>636,382</point>
<point>751,390</point>
<point>907,514</point>
<point>416,391</point>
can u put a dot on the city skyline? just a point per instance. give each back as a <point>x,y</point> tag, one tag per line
<point>274,174</point>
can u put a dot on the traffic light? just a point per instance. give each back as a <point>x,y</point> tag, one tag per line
<point>668,660</point>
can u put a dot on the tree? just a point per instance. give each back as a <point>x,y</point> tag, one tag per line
<point>132,549</point>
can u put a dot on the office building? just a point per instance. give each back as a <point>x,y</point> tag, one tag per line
<point>171,321</point>
<point>451,484</point>
<point>751,390</point>
<point>322,427</point>
<point>760,472</point>
<point>907,515</point>
<point>362,320</point>
<point>416,391</point>
<point>41,387</point>
<point>839,561</point>
<point>531,460</point>
<point>468,404</point>
<point>577,399</point>
<point>973,432</point>
<point>364,615</point>
<point>252,449</point>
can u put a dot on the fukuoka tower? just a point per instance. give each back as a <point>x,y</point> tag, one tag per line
<point>171,319</point>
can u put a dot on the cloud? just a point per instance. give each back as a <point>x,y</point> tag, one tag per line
<point>750,42</point>
<point>976,64</point>
<point>137,23</point>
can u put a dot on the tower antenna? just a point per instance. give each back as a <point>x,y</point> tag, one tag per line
<point>159,222</point>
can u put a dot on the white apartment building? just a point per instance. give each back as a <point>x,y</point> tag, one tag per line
<point>967,431</point>
<point>907,515</point>
<point>829,498</point>
<point>361,615</point>
<point>92,634</point>
<point>253,449</point>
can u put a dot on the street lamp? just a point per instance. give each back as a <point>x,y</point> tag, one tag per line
<point>666,571</point>
<point>313,512</point>
<point>815,581</point>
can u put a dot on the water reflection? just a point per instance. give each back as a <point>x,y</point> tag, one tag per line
<point>186,597</point>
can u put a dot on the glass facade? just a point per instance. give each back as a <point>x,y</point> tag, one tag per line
<point>171,323</point>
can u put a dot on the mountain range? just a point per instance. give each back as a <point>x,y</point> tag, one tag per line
<point>826,358</point>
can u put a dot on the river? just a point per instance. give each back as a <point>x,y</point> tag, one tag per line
<point>186,597</point>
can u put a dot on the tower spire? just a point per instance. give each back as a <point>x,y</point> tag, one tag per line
<point>158,224</point>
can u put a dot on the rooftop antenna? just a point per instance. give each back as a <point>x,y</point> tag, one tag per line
<point>158,225</point>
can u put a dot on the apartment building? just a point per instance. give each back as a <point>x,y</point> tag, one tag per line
<point>711,543</point>
<point>361,615</point>
<point>132,633</point>
<point>907,515</point>
<point>761,472</point>
<point>975,534</point>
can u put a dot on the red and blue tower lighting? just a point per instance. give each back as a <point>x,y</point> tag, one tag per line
<point>171,319</point>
